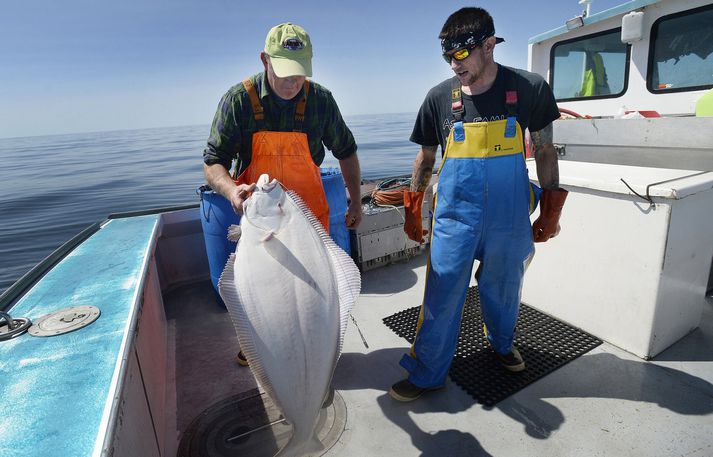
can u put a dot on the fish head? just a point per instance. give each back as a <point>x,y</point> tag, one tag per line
<point>265,207</point>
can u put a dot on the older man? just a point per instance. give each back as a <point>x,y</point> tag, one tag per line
<point>278,122</point>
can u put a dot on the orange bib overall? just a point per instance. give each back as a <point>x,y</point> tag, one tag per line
<point>285,156</point>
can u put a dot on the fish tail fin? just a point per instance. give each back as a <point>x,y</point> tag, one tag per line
<point>294,448</point>
<point>314,445</point>
<point>234,232</point>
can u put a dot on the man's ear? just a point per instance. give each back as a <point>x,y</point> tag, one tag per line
<point>489,45</point>
<point>264,58</point>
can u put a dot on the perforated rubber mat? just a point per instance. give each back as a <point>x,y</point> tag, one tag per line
<point>544,343</point>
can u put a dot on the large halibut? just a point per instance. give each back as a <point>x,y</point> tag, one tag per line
<point>289,290</point>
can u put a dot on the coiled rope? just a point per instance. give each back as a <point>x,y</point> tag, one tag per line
<point>390,192</point>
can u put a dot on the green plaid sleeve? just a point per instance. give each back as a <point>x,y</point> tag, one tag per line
<point>337,136</point>
<point>223,143</point>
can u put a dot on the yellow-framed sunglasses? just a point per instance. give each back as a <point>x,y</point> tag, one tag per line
<point>459,55</point>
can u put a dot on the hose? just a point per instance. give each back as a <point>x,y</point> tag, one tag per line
<point>574,114</point>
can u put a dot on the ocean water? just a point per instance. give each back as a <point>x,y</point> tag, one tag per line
<point>56,186</point>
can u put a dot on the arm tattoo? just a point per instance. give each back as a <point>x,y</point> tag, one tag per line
<point>542,137</point>
<point>546,158</point>
<point>423,169</point>
<point>421,179</point>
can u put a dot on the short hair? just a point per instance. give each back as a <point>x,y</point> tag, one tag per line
<point>466,20</point>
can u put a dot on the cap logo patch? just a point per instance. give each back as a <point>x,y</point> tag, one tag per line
<point>293,44</point>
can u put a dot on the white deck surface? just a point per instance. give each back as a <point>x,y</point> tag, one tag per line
<point>605,403</point>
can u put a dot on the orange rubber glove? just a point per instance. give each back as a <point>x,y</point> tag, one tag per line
<point>547,224</point>
<point>413,201</point>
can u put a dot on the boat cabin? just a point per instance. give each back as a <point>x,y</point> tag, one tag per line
<point>650,56</point>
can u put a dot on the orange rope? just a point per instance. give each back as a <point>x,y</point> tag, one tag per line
<point>388,197</point>
<point>390,193</point>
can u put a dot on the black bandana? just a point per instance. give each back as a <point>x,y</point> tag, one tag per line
<point>467,40</point>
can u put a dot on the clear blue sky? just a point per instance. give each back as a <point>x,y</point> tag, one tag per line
<point>91,65</point>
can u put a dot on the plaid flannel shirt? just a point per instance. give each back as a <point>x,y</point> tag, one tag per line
<point>234,124</point>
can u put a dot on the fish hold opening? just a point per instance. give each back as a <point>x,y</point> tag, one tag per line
<point>249,424</point>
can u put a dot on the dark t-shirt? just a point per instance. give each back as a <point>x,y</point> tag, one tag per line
<point>536,106</point>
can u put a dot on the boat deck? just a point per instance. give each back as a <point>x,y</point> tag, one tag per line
<point>607,402</point>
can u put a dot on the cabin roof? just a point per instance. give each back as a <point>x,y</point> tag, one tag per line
<point>594,18</point>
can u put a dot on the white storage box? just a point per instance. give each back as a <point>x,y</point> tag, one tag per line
<point>629,272</point>
<point>380,238</point>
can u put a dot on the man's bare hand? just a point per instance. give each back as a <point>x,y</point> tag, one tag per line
<point>353,216</point>
<point>239,195</point>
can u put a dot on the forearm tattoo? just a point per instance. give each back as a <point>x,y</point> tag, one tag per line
<point>542,137</point>
<point>546,158</point>
<point>423,169</point>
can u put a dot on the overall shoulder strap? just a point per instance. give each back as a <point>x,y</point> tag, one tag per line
<point>510,92</point>
<point>258,112</point>
<point>456,100</point>
<point>300,110</point>
<point>511,125</point>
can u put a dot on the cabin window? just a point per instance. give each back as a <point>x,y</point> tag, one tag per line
<point>593,66</point>
<point>681,52</point>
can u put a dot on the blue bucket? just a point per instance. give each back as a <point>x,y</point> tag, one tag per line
<point>216,216</point>
<point>337,200</point>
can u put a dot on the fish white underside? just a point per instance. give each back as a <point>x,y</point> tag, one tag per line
<point>289,290</point>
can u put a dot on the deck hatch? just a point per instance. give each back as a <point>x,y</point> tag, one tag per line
<point>544,342</point>
<point>250,424</point>
<point>65,321</point>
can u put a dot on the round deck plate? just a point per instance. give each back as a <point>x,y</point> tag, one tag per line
<point>64,321</point>
<point>250,425</point>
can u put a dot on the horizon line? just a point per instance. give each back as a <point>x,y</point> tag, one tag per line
<point>345,116</point>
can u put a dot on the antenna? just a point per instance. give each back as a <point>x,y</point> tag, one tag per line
<point>587,5</point>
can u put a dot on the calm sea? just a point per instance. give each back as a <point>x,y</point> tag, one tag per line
<point>56,186</point>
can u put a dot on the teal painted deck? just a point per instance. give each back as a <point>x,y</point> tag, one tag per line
<point>56,393</point>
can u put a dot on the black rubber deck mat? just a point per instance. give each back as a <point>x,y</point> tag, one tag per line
<point>544,342</point>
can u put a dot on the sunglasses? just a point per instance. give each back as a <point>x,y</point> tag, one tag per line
<point>459,55</point>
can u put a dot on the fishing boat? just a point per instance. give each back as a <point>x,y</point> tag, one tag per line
<point>131,353</point>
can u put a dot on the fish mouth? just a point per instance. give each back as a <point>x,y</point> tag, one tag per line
<point>264,184</point>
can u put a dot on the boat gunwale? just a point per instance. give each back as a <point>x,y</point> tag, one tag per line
<point>113,402</point>
<point>17,290</point>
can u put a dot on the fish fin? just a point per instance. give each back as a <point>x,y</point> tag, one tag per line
<point>226,282</point>
<point>293,449</point>
<point>348,285</point>
<point>314,445</point>
<point>234,232</point>
<point>347,273</point>
<point>229,293</point>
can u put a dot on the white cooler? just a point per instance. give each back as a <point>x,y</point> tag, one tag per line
<point>629,272</point>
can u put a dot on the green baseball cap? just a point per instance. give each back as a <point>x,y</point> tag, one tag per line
<point>290,50</point>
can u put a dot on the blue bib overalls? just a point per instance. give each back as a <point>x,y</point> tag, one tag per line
<point>483,204</point>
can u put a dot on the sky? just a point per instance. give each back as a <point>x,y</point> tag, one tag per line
<point>75,66</point>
